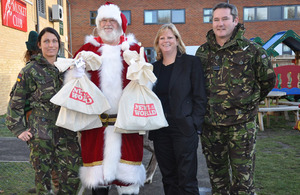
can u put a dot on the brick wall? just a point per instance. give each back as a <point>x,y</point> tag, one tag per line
<point>13,48</point>
<point>193,32</point>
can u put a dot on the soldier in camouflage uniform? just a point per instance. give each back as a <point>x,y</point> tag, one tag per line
<point>51,147</point>
<point>238,76</point>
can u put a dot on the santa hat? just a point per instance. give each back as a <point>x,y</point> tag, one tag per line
<point>110,10</point>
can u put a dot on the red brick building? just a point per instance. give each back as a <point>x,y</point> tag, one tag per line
<point>261,18</point>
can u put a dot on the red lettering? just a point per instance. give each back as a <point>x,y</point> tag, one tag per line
<point>144,110</point>
<point>80,95</point>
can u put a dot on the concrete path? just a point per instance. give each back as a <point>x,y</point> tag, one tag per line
<point>13,149</point>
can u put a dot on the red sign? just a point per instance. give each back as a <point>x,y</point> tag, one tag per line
<point>14,14</point>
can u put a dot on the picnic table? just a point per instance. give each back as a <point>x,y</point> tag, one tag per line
<point>287,83</point>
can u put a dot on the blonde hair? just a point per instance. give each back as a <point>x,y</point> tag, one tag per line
<point>163,28</point>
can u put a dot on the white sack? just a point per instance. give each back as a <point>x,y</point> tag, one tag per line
<point>139,110</point>
<point>81,95</point>
<point>77,121</point>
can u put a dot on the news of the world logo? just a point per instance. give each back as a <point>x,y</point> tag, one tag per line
<point>78,94</point>
<point>144,110</point>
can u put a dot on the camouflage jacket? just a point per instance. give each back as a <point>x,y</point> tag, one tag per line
<point>238,76</point>
<point>36,83</point>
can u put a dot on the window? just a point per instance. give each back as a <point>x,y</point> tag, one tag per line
<point>127,13</point>
<point>289,12</point>
<point>262,13</point>
<point>93,15</point>
<point>272,13</point>
<point>150,17</point>
<point>61,52</point>
<point>275,13</point>
<point>207,15</point>
<point>151,54</point>
<point>286,49</point>
<point>249,14</point>
<point>178,16</point>
<point>164,16</point>
<point>60,2</point>
<point>257,13</point>
<point>42,8</point>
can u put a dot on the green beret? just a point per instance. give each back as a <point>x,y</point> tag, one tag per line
<point>31,44</point>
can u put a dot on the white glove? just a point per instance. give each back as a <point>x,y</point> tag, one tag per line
<point>78,72</point>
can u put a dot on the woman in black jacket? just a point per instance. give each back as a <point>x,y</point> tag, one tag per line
<point>180,87</point>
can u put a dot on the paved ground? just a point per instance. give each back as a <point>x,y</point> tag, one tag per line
<point>12,149</point>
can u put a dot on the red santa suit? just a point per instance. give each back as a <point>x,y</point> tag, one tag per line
<point>110,157</point>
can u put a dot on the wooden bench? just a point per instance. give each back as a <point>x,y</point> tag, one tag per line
<point>264,110</point>
<point>289,103</point>
<point>288,81</point>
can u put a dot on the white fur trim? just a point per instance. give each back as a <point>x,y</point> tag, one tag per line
<point>92,177</point>
<point>109,11</point>
<point>90,39</point>
<point>111,75</point>
<point>131,39</point>
<point>135,174</point>
<point>132,189</point>
<point>125,46</point>
<point>112,154</point>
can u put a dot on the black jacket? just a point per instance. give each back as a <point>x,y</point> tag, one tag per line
<point>187,97</point>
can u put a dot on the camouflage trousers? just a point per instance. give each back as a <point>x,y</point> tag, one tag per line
<point>230,156</point>
<point>62,156</point>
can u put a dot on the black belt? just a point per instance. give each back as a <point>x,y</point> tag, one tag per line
<point>108,119</point>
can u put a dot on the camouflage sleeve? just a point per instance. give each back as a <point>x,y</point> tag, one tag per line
<point>264,73</point>
<point>202,52</point>
<point>15,119</point>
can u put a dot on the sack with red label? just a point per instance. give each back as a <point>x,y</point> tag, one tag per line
<point>81,95</point>
<point>139,110</point>
<point>77,121</point>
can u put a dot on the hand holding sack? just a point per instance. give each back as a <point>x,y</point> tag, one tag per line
<point>91,61</point>
<point>80,99</point>
<point>140,109</point>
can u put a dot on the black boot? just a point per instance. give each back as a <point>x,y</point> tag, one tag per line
<point>100,191</point>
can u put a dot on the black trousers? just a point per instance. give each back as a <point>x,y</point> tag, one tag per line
<point>177,160</point>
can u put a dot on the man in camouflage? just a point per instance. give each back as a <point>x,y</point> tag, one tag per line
<point>51,147</point>
<point>238,76</point>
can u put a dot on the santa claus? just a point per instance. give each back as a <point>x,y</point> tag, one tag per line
<point>110,158</point>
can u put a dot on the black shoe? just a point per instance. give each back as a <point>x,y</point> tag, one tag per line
<point>100,191</point>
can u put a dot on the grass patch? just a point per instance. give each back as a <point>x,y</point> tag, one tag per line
<point>16,177</point>
<point>278,158</point>
<point>4,132</point>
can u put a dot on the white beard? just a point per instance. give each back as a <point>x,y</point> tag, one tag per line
<point>111,36</point>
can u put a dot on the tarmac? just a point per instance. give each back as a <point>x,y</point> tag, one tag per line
<point>13,149</point>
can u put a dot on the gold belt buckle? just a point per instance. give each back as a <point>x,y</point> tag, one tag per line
<point>104,120</point>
